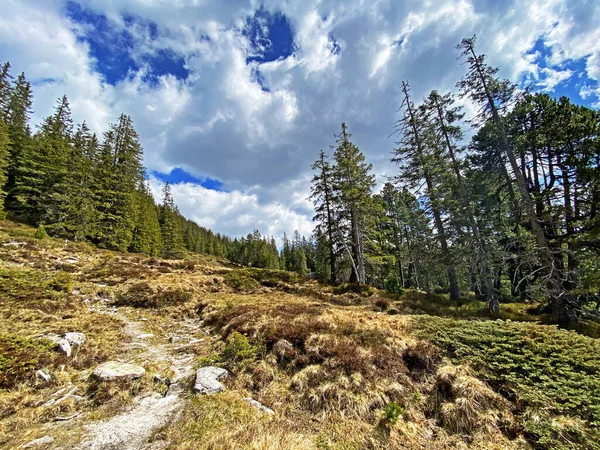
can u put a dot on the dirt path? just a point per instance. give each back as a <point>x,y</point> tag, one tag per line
<point>149,412</point>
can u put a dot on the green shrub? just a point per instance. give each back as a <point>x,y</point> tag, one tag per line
<point>363,289</point>
<point>240,281</point>
<point>62,282</point>
<point>21,357</point>
<point>21,285</point>
<point>238,352</point>
<point>542,368</point>
<point>252,278</point>
<point>392,412</point>
<point>142,295</point>
<point>40,233</point>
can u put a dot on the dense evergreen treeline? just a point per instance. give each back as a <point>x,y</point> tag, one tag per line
<point>78,186</point>
<point>82,187</point>
<point>512,215</point>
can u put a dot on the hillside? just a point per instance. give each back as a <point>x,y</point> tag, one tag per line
<point>340,367</point>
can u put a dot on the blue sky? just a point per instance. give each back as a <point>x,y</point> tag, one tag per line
<point>233,100</point>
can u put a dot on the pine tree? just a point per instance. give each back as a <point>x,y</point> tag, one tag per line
<point>4,155</point>
<point>322,195</point>
<point>171,231</point>
<point>420,162</point>
<point>5,92</point>
<point>80,210</point>
<point>21,154</point>
<point>353,183</point>
<point>484,88</point>
<point>147,236</point>
<point>118,174</point>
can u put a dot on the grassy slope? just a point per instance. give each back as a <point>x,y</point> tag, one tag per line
<point>342,370</point>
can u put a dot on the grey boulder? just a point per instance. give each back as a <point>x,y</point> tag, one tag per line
<point>207,380</point>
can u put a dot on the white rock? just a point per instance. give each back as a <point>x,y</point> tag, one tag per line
<point>75,339</point>
<point>114,370</point>
<point>14,243</point>
<point>259,406</point>
<point>137,346</point>
<point>207,380</point>
<point>44,375</point>
<point>145,336</point>
<point>39,442</point>
<point>65,347</point>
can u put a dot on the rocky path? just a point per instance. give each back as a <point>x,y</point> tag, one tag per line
<point>133,428</point>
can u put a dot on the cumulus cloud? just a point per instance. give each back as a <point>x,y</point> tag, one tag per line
<point>235,213</point>
<point>257,126</point>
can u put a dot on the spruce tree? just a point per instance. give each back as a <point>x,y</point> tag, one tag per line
<point>118,174</point>
<point>58,197</point>
<point>80,209</point>
<point>353,183</point>
<point>171,231</point>
<point>322,196</point>
<point>21,155</point>
<point>4,155</point>
<point>147,235</point>
<point>482,85</point>
<point>419,162</point>
<point>5,91</point>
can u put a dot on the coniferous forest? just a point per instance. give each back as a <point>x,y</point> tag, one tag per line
<point>504,204</point>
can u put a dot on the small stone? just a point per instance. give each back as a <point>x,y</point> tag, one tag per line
<point>65,347</point>
<point>259,406</point>
<point>174,339</point>
<point>114,370</point>
<point>75,339</point>
<point>44,375</point>
<point>145,336</point>
<point>175,388</point>
<point>207,380</point>
<point>39,442</point>
<point>77,398</point>
<point>136,346</point>
<point>158,379</point>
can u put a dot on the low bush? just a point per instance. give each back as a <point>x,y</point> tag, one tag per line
<point>142,295</point>
<point>240,281</point>
<point>362,289</point>
<point>238,352</point>
<point>392,412</point>
<point>382,303</point>
<point>251,278</point>
<point>541,368</point>
<point>40,233</point>
<point>62,282</point>
<point>21,357</point>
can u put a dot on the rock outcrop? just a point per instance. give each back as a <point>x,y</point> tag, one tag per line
<point>207,380</point>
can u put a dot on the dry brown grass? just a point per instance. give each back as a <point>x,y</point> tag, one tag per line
<point>329,363</point>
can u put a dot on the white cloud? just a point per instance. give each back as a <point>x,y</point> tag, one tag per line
<point>220,122</point>
<point>234,213</point>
